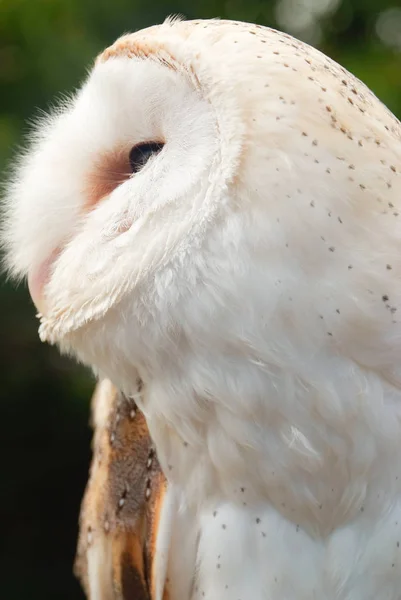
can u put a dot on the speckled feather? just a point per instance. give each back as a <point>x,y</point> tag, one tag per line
<point>249,275</point>
<point>122,502</point>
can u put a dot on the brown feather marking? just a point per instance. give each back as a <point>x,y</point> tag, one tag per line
<point>128,568</point>
<point>130,47</point>
<point>122,502</point>
<point>155,504</point>
<point>132,588</point>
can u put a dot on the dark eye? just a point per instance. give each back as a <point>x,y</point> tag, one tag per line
<point>140,154</point>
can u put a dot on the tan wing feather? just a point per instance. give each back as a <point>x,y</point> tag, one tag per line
<point>122,503</point>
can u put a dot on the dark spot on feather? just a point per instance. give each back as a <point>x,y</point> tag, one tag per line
<point>132,583</point>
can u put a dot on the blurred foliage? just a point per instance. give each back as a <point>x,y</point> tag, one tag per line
<point>46,47</point>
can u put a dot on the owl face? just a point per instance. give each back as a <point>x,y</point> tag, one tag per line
<point>120,178</point>
<point>137,139</point>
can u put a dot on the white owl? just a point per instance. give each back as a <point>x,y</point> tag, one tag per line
<point>212,223</point>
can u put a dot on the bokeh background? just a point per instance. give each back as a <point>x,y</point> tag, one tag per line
<point>46,47</point>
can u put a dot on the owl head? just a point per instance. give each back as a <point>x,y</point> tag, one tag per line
<point>150,207</point>
<point>122,184</point>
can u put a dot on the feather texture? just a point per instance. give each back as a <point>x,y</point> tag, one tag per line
<point>121,508</point>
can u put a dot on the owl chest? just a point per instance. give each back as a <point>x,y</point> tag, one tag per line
<point>245,529</point>
<point>254,552</point>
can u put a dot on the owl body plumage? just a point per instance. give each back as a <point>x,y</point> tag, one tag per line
<point>248,277</point>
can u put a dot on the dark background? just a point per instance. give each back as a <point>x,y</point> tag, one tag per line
<point>45,48</point>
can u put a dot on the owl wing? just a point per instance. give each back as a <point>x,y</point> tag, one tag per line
<point>122,504</point>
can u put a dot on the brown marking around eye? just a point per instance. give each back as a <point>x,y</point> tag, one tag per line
<point>110,170</point>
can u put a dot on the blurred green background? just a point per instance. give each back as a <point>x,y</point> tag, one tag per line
<point>46,47</point>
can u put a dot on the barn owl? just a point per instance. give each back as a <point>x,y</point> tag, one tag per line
<point>212,224</point>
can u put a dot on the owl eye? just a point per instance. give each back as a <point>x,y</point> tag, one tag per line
<point>140,154</point>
